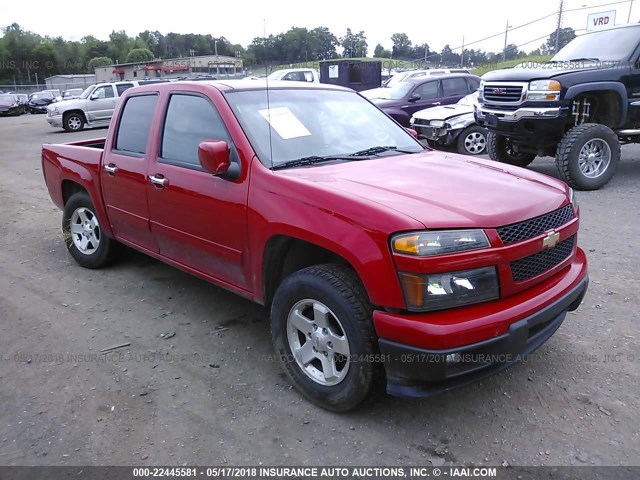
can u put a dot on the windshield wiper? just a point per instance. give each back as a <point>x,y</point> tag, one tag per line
<point>376,150</point>
<point>585,59</point>
<point>306,161</point>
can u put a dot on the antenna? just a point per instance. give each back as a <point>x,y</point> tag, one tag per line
<point>266,68</point>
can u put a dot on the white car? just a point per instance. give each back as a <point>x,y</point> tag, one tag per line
<point>454,125</point>
<point>296,74</point>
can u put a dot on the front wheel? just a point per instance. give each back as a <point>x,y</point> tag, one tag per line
<point>588,156</point>
<point>84,238</point>
<point>472,140</point>
<point>502,149</point>
<point>73,122</point>
<point>324,338</point>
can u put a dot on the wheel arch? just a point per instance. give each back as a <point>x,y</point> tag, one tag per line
<point>285,254</point>
<point>617,112</point>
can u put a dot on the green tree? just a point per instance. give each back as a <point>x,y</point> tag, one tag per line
<point>99,62</point>
<point>139,55</point>
<point>120,44</point>
<point>566,35</point>
<point>401,45</point>
<point>354,44</point>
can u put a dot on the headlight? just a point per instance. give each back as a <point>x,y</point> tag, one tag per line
<point>548,90</point>
<point>452,289</point>
<point>573,198</point>
<point>437,123</point>
<point>481,90</point>
<point>426,244</point>
<point>53,111</point>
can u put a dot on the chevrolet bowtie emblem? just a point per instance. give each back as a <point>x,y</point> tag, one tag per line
<point>551,240</point>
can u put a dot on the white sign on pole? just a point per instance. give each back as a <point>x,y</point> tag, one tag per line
<point>601,21</point>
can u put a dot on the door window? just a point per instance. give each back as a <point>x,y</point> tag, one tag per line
<point>135,122</point>
<point>454,86</point>
<point>427,91</point>
<point>105,91</point>
<point>190,120</point>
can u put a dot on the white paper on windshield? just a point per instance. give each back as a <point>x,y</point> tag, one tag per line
<point>333,71</point>
<point>284,122</point>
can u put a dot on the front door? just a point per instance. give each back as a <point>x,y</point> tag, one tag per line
<point>101,103</point>
<point>199,220</point>
<point>124,174</point>
<point>428,94</point>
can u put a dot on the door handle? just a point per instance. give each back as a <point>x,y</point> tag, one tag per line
<point>111,169</point>
<point>159,181</point>
<point>436,103</point>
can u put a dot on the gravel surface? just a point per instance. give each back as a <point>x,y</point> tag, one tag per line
<point>196,382</point>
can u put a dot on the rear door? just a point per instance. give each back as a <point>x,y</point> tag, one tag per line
<point>453,89</point>
<point>124,173</point>
<point>101,103</point>
<point>199,220</point>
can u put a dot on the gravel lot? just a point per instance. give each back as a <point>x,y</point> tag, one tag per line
<point>213,394</point>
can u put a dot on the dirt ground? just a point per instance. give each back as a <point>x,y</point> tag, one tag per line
<point>213,394</point>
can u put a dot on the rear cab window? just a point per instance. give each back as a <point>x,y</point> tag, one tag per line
<point>134,125</point>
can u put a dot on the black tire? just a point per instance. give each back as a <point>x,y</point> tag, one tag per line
<point>472,141</point>
<point>500,149</point>
<point>73,122</point>
<point>99,250</point>
<point>339,290</point>
<point>602,141</point>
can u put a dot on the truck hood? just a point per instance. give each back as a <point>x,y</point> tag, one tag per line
<point>537,71</point>
<point>439,190</point>
<point>70,104</point>
<point>444,112</point>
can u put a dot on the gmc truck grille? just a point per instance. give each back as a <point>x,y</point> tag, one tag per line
<point>498,93</point>
<point>529,267</point>
<point>517,232</point>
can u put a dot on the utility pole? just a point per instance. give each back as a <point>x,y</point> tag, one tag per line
<point>630,7</point>
<point>462,54</point>
<point>504,51</point>
<point>558,27</point>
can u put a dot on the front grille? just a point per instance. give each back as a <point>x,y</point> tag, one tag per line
<point>502,93</point>
<point>517,232</point>
<point>540,262</point>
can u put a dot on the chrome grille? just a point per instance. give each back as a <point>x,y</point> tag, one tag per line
<point>502,93</point>
<point>517,232</point>
<point>540,262</point>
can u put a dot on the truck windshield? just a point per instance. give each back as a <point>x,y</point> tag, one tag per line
<point>294,124</point>
<point>606,45</point>
<point>87,91</point>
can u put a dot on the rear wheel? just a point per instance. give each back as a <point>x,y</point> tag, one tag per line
<point>588,156</point>
<point>73,122</point>
<point>472,140</point>
<point>83,236</point>
<point>324,338</point>
<point>502,149</point>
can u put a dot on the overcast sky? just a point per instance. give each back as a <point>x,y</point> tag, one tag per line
<point>436,22</point>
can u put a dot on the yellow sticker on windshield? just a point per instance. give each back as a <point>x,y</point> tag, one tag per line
<point>285,123</point>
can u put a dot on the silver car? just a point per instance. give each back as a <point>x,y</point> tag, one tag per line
<point>449,126</point>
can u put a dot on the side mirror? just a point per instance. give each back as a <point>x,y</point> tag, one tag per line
<point>214,156</point>
<point>414,97</point>
<point>94,96</point>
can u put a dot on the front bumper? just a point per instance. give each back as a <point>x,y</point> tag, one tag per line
<point>439,134</point>
<point>536,126</point>
<point>38,108</point>
<point>55,121</point>
<point>421,371</point>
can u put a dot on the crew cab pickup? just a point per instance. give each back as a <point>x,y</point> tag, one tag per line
<point>382,262</point>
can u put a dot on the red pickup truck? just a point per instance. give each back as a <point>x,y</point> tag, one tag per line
<point>382,262</point>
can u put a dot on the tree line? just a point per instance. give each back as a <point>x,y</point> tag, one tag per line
<point>25,56</point>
